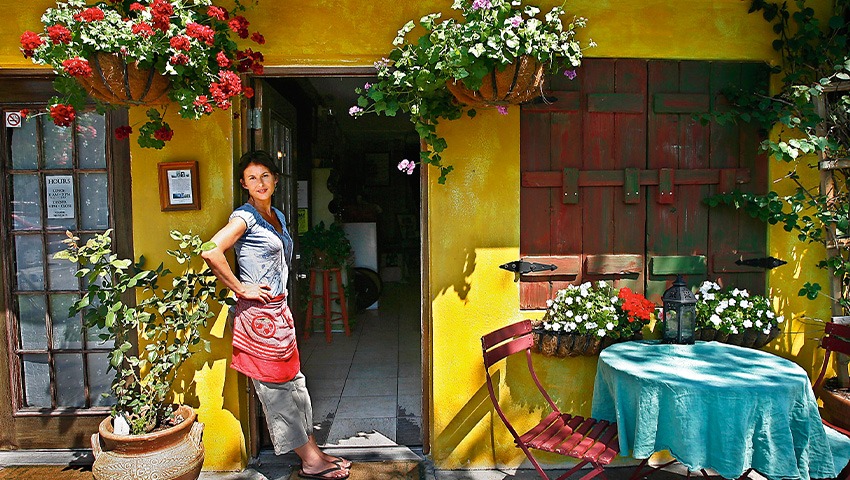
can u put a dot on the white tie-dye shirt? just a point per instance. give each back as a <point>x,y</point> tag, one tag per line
<point>263,255</point>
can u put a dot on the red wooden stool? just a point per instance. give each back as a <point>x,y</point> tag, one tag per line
<point>326,295</point>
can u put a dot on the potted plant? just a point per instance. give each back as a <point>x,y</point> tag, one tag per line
<point>145,431</point>
<point>584,319</point>
<point>144,52</point>
<point>478,57</point>
<point>325,247</point>
<point>735,317</point>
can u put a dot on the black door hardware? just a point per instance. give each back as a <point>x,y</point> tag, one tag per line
<point>765,262</point>
<point>522,267</point>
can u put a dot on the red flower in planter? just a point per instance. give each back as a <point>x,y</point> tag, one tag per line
<point>77,67</point>
<point>636,306</point>
<point>239,25</point>
<point>142,29</point>
<point>62,115</point>
<point>163,134</point>
<point>92,14</point>
<point>180,42</point>
<point>123,132</point>
<point>217,13</point>
<point>59,34</point>
<point>200,32</point>
<point>29,42</point>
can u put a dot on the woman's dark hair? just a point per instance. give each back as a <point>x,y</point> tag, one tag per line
<point>259,157</point>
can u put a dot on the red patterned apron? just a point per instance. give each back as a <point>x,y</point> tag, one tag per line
<point>264,330</point>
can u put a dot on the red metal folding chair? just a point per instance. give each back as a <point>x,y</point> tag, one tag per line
<point>585,439</point>
<point>836,338</point>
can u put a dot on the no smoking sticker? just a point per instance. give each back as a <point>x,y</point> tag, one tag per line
<point>13,119</point>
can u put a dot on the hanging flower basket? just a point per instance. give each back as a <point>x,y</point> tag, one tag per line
<point>750,337</point>
<point>519,82</point>
<point>117,82</point>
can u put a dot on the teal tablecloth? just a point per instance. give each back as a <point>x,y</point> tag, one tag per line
<point>714,406</point>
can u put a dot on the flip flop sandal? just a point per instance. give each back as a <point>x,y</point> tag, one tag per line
<point>323,475</point>
<point>342,462</point>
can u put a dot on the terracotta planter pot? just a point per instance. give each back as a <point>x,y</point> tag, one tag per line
<point>116,82</point>
<point>836,408</point>
<point>572,345</point>
<point>751,337</point>
<point>175,453</point>
<point>519,82</point>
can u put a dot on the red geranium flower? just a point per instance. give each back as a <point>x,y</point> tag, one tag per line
<point>62,115</point>
<point>179,59</point>
<point>59,34</point>
<point>163,134</point>
<point>180,42</point>
<point>222,60</point>
<point>77,67</point>
<point>636,306</point>
<point>248,92</point>
<point>142,29</point>
<point>24,112</point>
<point>202,104</point>
<point>137,7</point>
<point>217,13</point>
<point>257,37</point>
<point>201,32</point>
<point>239,25</point>
<point>29,42</point>
<point>123,132</point>
<point>92,14</point>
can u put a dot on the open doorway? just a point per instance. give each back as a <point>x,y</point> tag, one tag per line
<point>366,389</point>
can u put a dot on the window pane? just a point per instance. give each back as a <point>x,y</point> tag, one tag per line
<point>33,327</point>
<point>93,339</point>
<point>91,138</point>
<point>99,380</point>
<point>94,203</point>
<point>60,203</point>
<point>36,381</point>
<point>29,261</point>
<point>26,202</point>
<point>25,145</point>
<point>67,331</point>
<point>70,391</point>
<point>58,151</point>
<point>61,272</point>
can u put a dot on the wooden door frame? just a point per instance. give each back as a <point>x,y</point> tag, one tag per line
<point>424,306</point>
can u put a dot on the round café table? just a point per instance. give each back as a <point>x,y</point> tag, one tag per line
<point>713,405</point>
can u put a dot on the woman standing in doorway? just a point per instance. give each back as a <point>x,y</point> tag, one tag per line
<point>264,345</point>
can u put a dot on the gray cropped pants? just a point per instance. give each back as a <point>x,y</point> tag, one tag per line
<point>288,411</point>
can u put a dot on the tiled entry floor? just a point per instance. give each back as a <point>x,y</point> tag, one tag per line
<point>366,388</point>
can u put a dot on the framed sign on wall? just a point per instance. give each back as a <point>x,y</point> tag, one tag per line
<point>178,186</point>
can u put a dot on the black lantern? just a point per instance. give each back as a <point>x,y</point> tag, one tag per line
<point>680,313</point>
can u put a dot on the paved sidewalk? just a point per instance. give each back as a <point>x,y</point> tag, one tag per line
<point>271,467</point>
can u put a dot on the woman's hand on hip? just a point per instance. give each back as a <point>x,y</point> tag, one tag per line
<point>251,291</point>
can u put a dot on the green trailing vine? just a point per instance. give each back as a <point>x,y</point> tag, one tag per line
<point>812,111</point>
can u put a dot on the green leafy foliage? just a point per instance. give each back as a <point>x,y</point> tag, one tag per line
<point>812,109</point>
<point>488,35</point>
<point>167,321</point>
<point>325,246</point>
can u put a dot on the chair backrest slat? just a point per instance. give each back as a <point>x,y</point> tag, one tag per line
<point>831,328</point>
<point>836,344</point>
<point>516,345</point>
<point>498,336</point>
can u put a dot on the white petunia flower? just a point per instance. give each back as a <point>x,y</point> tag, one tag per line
<point>732,301</point>
<point>780,319</point>
<point>758,324</point>
<point>719,309</point>
<point>549,302</point>
<point>568,300</point>
<point>770,314</point>
<point>600,333</point>
<point>602,284</point>
<point>570,313</point>
<point>614,300</point>
<point>748,324</point>
<point>710,296</point>
<point>609,326</point>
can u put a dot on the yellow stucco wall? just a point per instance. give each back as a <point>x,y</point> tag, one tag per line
<point>474,219</point>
